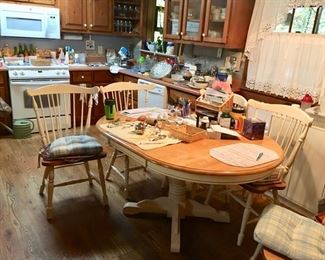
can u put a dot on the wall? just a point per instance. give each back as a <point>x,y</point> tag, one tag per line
<point>77,45</point>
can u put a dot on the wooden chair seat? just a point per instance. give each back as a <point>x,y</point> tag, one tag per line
<point>72,159</point>
<point>262,188</point>
<point>269,254</point>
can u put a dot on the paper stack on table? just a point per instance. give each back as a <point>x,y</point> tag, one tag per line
<point>243,154</point>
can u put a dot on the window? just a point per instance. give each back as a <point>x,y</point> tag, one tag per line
<point>303,20</point>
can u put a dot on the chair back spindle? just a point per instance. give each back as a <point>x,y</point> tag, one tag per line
<point>125,93</point>
<point>62,110</point>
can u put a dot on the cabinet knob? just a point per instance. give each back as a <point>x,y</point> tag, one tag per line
<point>181,33</point>
<point>85,25</point>
<point>91,25</point>
<point>82,76</point>
<point>203,34</point>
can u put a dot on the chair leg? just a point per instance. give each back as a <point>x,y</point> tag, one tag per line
<point>88,173</point>
<point>275,197</point>
<point>126,175</point>
<point>50,188</point>
<point>247,210</point>
<point>211,188</point>
<point>164,182</point>
<point>45,176</point>
<point>257,251</point>
<point>102,181</point>
<point>111,162</point>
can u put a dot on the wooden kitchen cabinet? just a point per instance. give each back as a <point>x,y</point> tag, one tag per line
<point>128,78</point>
<point>4,94</point>
<point>42,2</point>
<point>85,15</point>
<point>91,78</point>
<point>220,23</point>
<point>128,17</point>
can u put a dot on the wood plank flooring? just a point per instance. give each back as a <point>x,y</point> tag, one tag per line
<point>83,229</point>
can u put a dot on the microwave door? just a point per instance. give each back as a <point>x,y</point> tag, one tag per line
<point>20,24</point>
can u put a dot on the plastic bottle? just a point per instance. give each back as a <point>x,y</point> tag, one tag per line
<point>66,58</point>
<point>225,119</point>
<point>61,56</point>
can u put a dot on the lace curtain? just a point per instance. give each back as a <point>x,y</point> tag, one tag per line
<point>284,64</point>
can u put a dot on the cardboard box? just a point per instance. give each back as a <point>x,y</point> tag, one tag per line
<point>253,129</point>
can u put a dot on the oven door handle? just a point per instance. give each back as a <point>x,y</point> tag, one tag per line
<point>37,83</point>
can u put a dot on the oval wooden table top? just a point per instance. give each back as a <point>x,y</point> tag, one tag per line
<point>194,158</point>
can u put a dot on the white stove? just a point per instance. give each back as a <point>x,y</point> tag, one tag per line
<point>38,72</point>
<point>23,77</point>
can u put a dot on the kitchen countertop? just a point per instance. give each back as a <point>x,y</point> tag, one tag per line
<point>168,82</point>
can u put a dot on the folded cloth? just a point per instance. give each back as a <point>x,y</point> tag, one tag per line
<point>74,145</point>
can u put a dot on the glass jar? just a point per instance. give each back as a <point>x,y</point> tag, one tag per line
<point>204,123</point>
<point>225,119</point>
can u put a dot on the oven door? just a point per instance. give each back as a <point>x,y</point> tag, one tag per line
<point>21,102</point>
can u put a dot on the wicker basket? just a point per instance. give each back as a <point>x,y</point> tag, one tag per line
<point>41,62</point>
<point>185,133</point>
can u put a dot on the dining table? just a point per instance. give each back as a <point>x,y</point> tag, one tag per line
<point>189,162</point>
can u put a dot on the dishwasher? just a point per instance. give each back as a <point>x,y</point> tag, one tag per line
<point>156,97</point>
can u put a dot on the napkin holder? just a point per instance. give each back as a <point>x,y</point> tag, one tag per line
<point>253,129</point>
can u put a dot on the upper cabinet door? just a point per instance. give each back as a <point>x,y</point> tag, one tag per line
<point>217,20</point>
<point>193,20</point>
<point>99,15</point>
<point>73,15</point>
<point>128,17</point>
<point>173,19</point>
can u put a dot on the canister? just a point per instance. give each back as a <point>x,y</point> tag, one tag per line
<point>110,109</point>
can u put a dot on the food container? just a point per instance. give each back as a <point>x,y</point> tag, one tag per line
<point>306,102</point>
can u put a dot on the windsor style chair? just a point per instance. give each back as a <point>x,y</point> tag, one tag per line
<point>63,130</point>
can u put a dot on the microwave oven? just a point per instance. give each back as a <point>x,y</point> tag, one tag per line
<point>18,20</point>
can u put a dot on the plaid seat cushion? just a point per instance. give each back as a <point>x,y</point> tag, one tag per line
<point>290,234</point>
<point>74,145</point>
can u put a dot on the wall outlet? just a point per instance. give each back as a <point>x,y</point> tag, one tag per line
<point>90,45</point>
<point>219,53</point>
<point>100,50</point>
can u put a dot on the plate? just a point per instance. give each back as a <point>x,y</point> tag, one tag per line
<point>160,70</point>
<point>197,86</point>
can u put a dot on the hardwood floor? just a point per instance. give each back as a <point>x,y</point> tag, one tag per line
<point>83,229</point>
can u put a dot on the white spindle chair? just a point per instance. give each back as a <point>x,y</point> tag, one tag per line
<point>125,95</point>
<point>288,126</point>
<point>56,123</point>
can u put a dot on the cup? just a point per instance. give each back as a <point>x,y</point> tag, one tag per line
<point>110,109</point>
<point>151,46</point>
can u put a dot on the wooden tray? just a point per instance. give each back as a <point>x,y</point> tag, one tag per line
<point>201,103</point>
<point>185,133</point>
